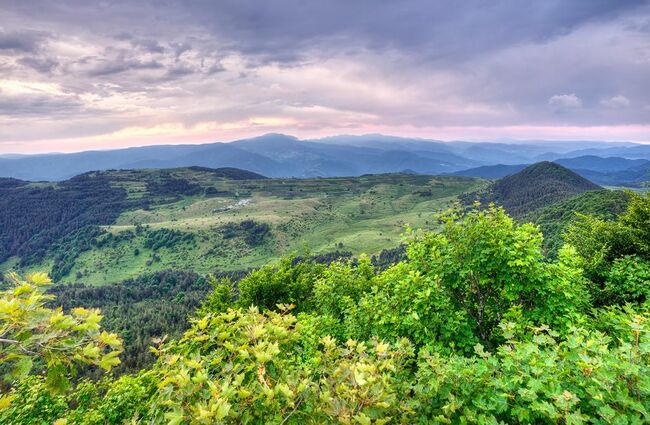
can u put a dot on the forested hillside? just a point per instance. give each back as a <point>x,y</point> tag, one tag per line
<point>535,186</point>
<point>34,216</point>
<point>553,220</point>
<point>476,325</point>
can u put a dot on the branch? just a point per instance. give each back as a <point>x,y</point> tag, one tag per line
<point>286,418</point>
<point>17,343</point>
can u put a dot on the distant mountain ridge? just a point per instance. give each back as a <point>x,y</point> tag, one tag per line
<point>611,171</point>
<point>278,155</point>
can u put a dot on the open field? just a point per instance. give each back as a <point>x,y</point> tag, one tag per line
<point>360,215</point>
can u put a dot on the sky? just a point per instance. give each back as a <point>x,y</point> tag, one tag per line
<point>84,74</point>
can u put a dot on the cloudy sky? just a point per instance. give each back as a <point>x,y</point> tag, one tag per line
<point>84,74</point>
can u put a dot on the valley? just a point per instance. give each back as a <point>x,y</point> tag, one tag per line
<point>196,219</point>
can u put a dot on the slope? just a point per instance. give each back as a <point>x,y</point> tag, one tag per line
<point>209,221</point>
<point>536,186</point>
<point>554,219</point>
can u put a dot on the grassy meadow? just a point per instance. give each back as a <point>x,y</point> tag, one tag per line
<point>359,215</point>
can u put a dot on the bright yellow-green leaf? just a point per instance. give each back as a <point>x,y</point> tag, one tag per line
<point>5,400</point>
<point>109,360</point>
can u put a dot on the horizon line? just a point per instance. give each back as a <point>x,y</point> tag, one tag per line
<point>514,141</point>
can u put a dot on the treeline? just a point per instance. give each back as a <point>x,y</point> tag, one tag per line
<point>253,233</point>
<point>166,185</point>
<point>229,173</point>
<point>166,238</point>
<point>34,216</point>
<point>67,249</point>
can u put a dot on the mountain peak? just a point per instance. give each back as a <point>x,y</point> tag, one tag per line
<point>272,136</point>
<point>535,186</point>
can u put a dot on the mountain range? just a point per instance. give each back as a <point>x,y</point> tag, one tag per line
<point>608,171</point>
<point>278,155</point>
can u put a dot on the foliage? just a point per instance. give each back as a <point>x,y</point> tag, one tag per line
<point>554,219</point>
<point>628,281</point>
<point>341,286</point>
<point>108,401</point>
<point>285,283</point>
<point>268,380</point>
<point>573,380</point>
<point>458,285</point>
<point>32,333</point>
<point>487,265</point>
<point>601,242</point>
<point>243,366</point>
<point>476,325</point>
<point>637,219</point>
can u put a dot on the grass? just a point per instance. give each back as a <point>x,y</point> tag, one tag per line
<point>361,215</point>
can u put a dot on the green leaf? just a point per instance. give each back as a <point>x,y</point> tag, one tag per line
<point>109,360</point>
<point>111,340</point>
<point>22,368</point>
<point>56,380</point>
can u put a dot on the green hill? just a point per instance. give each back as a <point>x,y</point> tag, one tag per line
<point>105,227</point>
<point>535,186</point>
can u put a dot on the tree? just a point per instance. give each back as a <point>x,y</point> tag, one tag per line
<point>480,269</point>
<point>33,336</point>
<point>602,243</point>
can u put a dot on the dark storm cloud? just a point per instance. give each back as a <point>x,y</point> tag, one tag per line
<point>121,64</point>
<point>323,64</point>
<point>21,41</point>
<point>282,30</point>
<point>41,64</point>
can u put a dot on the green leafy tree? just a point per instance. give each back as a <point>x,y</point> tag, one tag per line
<point>107,401</point>
<point>34,336</point>
<point>628,280</point>
<point>459,284</point>
<point>576,379</point>
<point>243,366</point>
<point>286,283</point>
<point>599,243</point>
<point>637,219</point>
